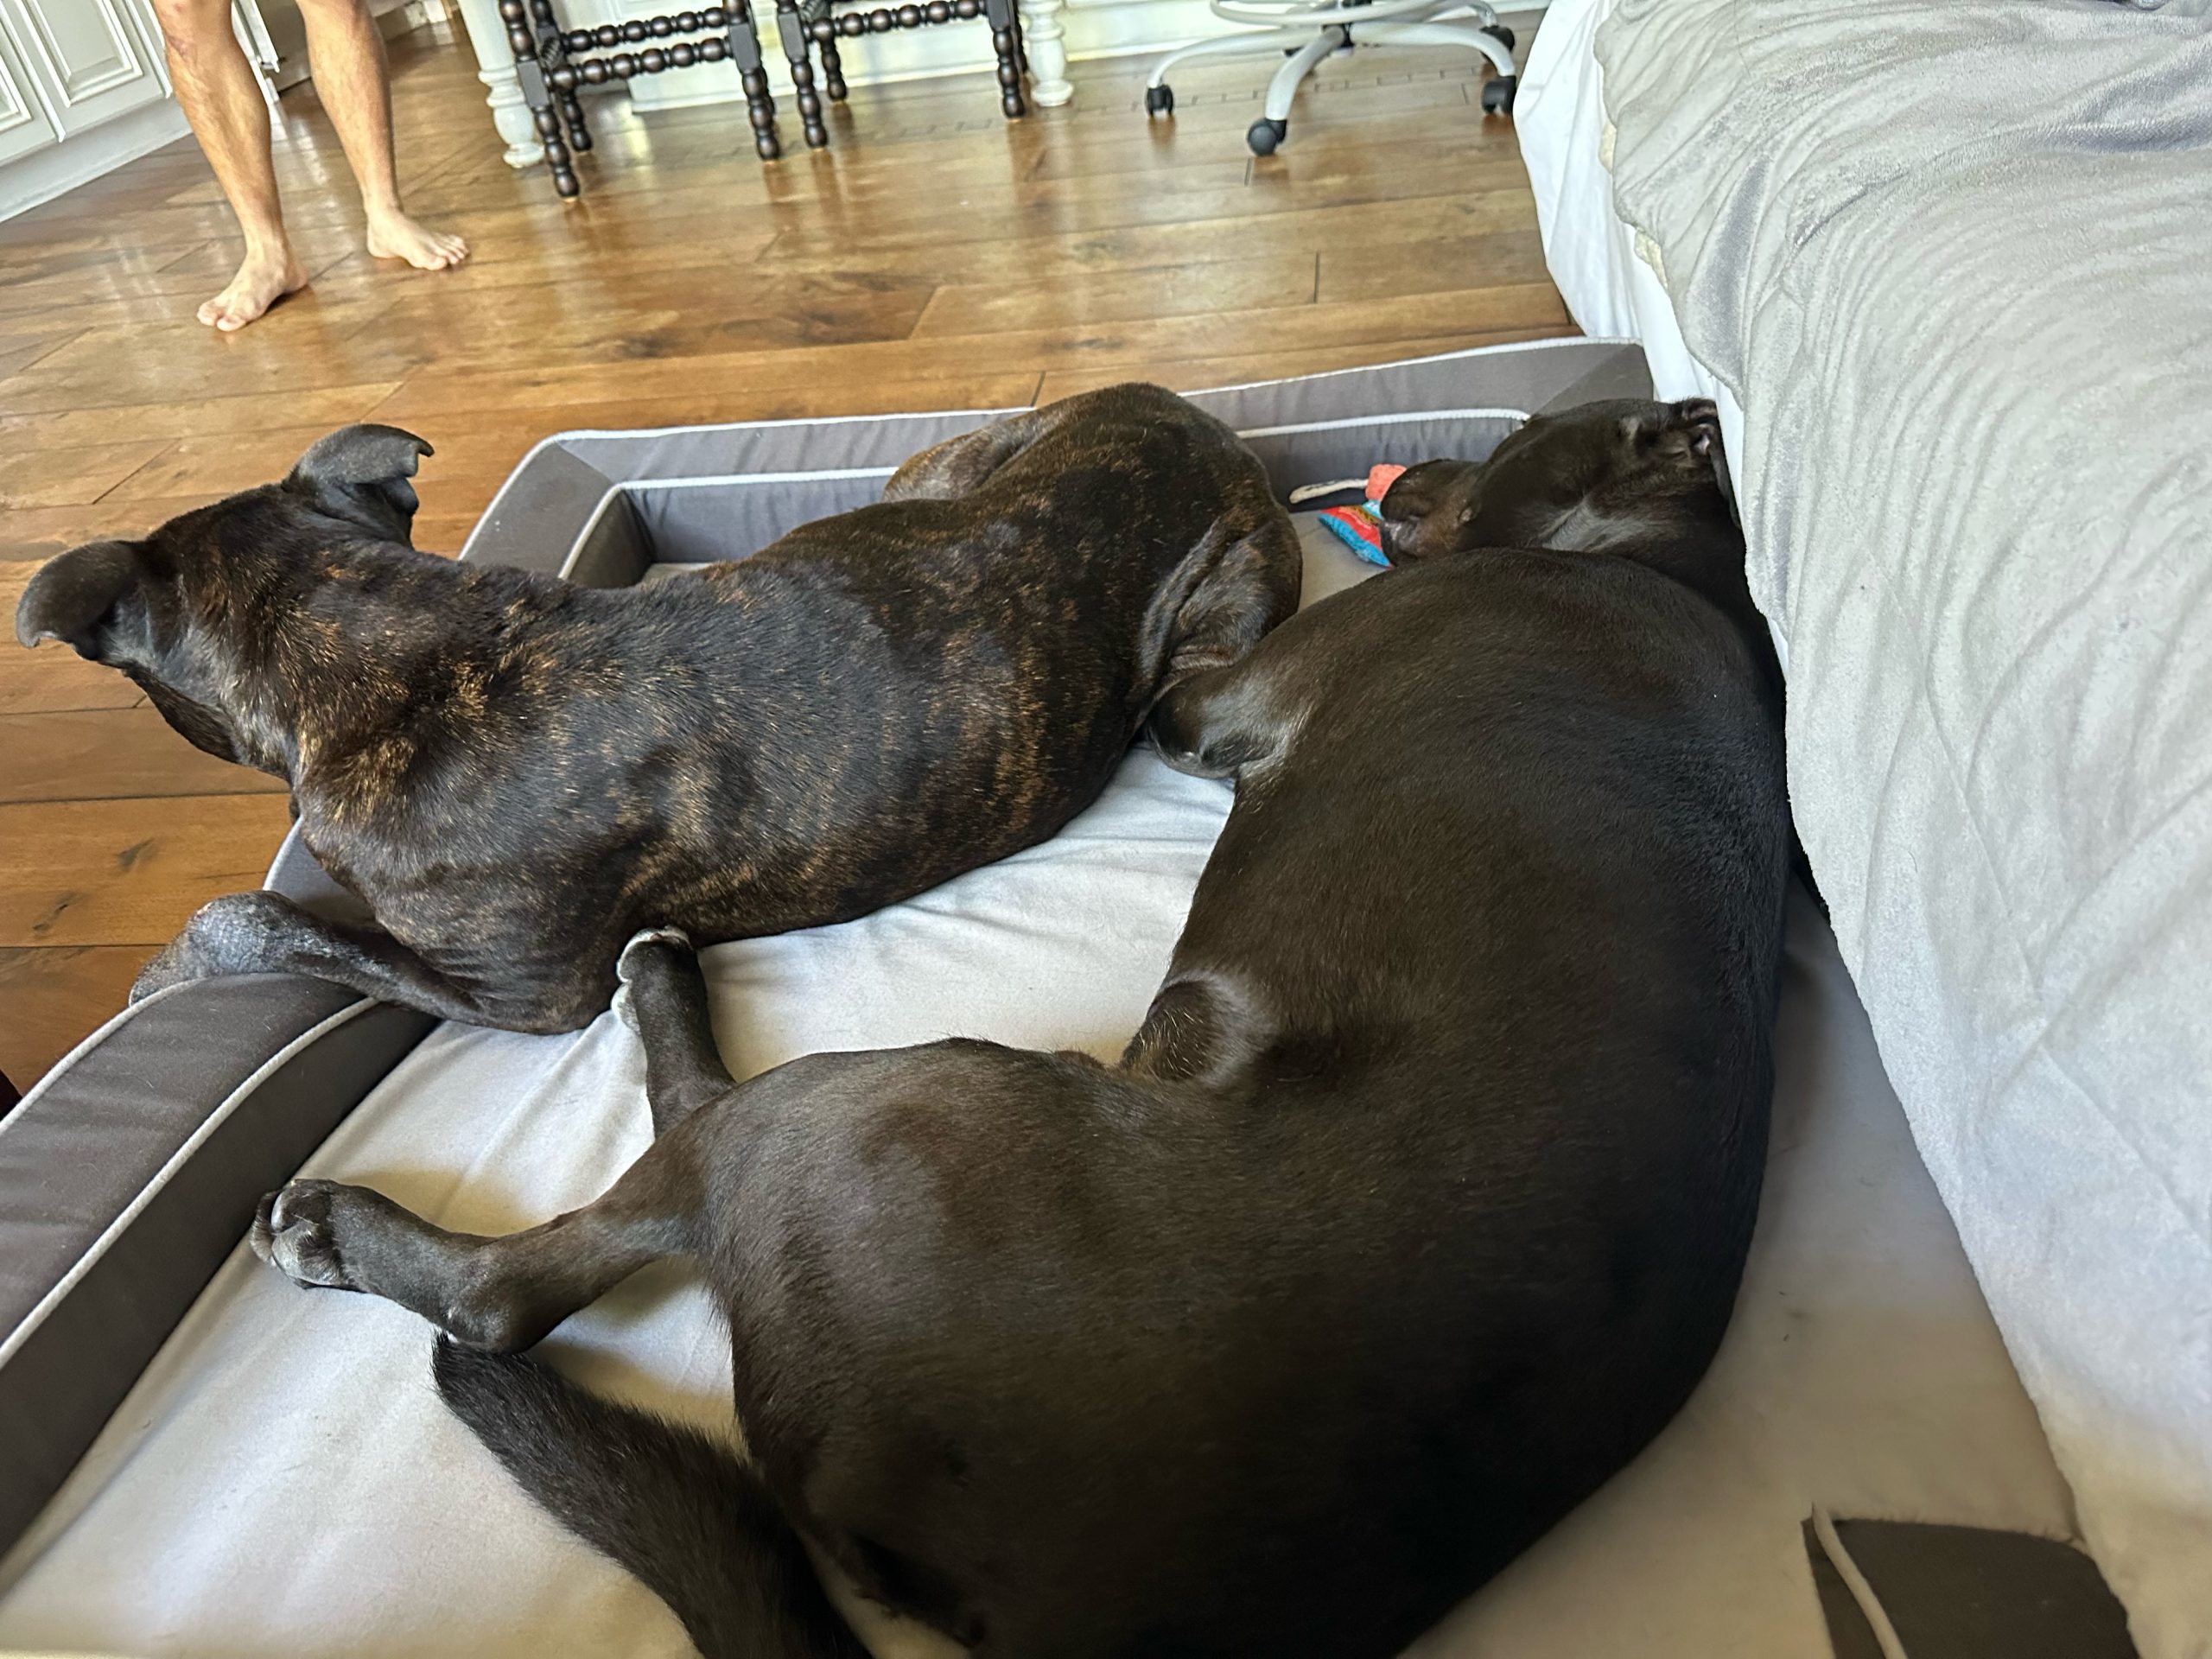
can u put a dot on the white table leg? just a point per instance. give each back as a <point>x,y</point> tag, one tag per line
<point>496,61</point>
<point>1042,37</point>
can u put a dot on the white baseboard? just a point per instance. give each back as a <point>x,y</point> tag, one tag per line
<point>1096,29</point>
<point>38,177</point>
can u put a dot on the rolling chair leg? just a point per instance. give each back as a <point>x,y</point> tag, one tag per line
<point>1160,96</point>
<point>1274,124</point>
<point>1409,21</point>
<point>1494,43</point>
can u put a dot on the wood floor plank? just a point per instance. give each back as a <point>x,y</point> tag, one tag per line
<point>1076,254</point>
<point>1197,373</point>
<point>1120,296</point>
<point>75,872</point>
<point>36,534</point>
<point>28,350</point>
<point>69,477</point>
<point>1532,305</point>
<point>330,342</point>
<point>324,406</point>
<point>109,754</point>
<point>1440,264</point>
<point>204,468</point>
<point>56,998</point>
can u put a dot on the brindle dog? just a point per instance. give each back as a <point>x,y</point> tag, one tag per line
<point>516,773</point>
<point>1416,1207</point>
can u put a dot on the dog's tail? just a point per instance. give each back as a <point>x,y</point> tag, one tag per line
<point>675,1509</point>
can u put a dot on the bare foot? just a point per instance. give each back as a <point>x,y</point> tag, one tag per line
<point>395,236</point>
<point>265,276</point>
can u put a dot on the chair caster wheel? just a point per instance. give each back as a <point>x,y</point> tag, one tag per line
<point>1159,100</point>
<point>1497,94</point>
<point>1502,34</point>
<point>1266,135</point>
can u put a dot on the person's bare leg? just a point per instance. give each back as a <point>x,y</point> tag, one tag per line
<point>347,55</point>
<point>223,101</point>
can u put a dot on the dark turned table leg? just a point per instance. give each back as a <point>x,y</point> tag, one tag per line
<point>791,28</point>
<point>563,88</point>
<point>760,108</point>
<point>1003,41</point>
<point>833,71</point>
<point>516,14</point>
<point>572,118</point>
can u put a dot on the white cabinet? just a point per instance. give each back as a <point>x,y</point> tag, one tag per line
<point>23,125</point>
<point>89,57</point>
<point>83,89</point>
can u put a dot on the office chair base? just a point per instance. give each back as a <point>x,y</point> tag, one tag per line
<point>1306,31</point>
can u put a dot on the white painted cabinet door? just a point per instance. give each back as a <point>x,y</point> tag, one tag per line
<point>23,125</point>
<point>91,62</point>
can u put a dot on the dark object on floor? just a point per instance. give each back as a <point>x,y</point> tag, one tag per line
<point>1966,1592</point>
<point>805,24</point>
<point>550,76</point>
<point>1414,1209</point>
<point>515,774</point>
<point>9,1096</point>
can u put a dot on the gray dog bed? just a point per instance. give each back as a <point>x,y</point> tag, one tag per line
<point>198,1458</point>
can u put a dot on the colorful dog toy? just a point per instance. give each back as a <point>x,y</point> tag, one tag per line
<point>1359,528</point>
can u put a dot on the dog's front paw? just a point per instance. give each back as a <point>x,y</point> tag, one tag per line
<point>296,1232</point>
<point>237,933</point>
<point>180,960</point>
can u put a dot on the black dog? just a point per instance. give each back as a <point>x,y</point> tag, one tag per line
<point>1590,502</point>
<point>517,774</point>
<point>1415,1210</point>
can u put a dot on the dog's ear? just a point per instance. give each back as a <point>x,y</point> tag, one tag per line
<point>68,597</point>
<point>359,473</point>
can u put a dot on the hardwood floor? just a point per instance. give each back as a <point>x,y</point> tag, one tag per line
<point>935,257</point>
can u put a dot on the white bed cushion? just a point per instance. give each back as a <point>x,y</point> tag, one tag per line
<point>283,1482</point>
<point>1951,258</point>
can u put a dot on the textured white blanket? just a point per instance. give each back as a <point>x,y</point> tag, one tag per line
<point>1954,260</point>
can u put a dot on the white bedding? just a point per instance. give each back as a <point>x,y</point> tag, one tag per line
<point>283,1482</point>
<point>1952,260</point>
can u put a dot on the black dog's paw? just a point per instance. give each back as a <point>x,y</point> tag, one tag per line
<point>295,1232</point>
<point>632,964</point>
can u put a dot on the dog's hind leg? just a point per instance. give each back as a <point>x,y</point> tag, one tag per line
<point>664,1000</point>
<point>501,1294</point>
